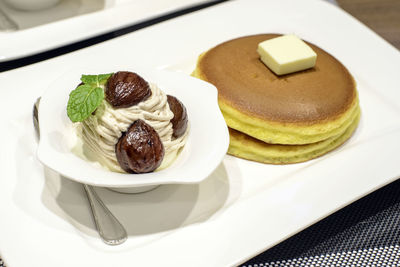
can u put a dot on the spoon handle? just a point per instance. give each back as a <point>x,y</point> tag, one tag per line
<point>110,229</point>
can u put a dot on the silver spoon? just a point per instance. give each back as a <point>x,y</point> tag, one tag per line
<point>110,229</point>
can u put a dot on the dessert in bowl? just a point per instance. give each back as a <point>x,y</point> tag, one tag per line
<point>178,132</point>
<point>129,125</point>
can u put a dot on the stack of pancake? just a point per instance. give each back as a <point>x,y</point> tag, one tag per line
<point>280,119</point>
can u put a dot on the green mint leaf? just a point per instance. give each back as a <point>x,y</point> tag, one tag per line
<point>103,78</point>
<point>83,101</point>
<point>89,79</point>
<point>95,80</point>
<point>86,97</point>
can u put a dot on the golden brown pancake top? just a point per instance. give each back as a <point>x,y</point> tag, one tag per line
<point>246,84</point>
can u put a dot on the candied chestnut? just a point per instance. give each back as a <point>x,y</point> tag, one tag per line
<point>125,89</point>
<point>139,149</point>
<point>180,119</point>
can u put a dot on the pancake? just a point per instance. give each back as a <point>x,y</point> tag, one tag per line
<point>247,147</point>
<point>280,119</point>
<point>298,108</point>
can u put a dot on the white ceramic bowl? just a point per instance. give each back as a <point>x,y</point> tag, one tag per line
<point>205,148</point>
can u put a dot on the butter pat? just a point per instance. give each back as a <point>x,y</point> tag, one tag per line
<point>286,54</point>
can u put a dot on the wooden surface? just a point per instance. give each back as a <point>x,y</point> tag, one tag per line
<point>382,16</point>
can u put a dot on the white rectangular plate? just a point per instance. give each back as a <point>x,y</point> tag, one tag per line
<point>241,209</point>
<point>75,20</point>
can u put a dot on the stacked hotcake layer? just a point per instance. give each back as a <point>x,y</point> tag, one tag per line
<point>280,118</point>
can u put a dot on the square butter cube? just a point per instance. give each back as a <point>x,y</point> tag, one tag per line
<point>286,54</point>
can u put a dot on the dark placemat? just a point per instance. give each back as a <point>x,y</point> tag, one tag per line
<point>365,233</point>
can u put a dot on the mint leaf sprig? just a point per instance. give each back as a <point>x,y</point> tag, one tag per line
<point>86,97</point>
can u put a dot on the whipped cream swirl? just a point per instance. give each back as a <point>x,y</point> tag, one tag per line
<point>102,130</point>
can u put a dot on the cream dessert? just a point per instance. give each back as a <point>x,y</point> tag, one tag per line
<point>136,128</point>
